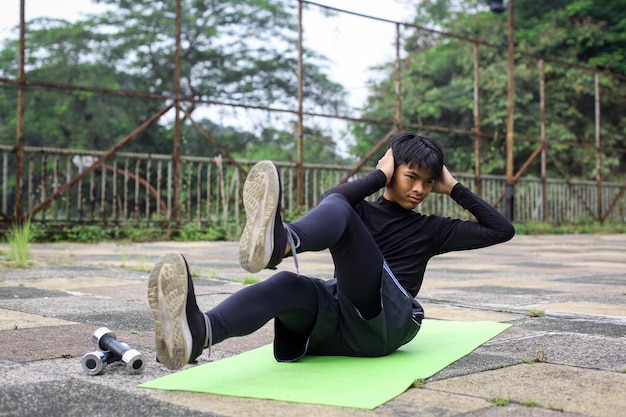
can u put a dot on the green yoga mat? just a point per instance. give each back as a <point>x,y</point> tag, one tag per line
<point>335,380</point>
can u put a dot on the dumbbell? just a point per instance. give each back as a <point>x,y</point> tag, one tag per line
<point>105,340</point>
<point>94,363</point>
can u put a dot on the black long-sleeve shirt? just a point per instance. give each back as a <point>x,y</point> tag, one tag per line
<point>408,239</point>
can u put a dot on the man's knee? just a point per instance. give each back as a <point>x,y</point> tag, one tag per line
<point>281,278</point>
<point>293,288</point>
<point>339,203</point>
<point>336,198</point>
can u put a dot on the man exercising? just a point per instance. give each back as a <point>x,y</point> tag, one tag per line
<point>380,251</point>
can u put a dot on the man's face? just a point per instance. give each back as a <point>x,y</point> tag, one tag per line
<point>409,186</point>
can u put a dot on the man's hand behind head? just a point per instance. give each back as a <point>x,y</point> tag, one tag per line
<point>445,183</point>
<point>386,164</point>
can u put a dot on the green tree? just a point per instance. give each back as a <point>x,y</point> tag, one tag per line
<point>63,52</point>
<point>437,85</point>
<point>270,143</point>
<point>583,31</point>
<point>225,58</point>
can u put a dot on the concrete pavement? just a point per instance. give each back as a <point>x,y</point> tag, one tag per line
<point>564,355</point>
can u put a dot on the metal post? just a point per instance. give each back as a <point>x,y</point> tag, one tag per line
<point>177,123</point>
<point>544,142</point>
<point>300,143</point>
<point>510,184</point>
<point>18,210</point>
<point>477,127</point>
<point>596,79</point>
<point>398,82</point>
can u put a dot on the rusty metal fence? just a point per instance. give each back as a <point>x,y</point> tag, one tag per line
<point>113,186</point>
<point>138,187</point>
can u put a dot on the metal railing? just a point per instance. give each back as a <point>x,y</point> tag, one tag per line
<point>138,187</point>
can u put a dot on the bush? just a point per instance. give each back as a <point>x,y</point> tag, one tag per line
<point>136,232</point>
<point>540,228</point>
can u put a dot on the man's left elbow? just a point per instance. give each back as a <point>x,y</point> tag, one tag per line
<point>508,232</point>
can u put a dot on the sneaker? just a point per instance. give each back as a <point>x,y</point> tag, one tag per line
<point>182,331</point>
<point>264,239</point>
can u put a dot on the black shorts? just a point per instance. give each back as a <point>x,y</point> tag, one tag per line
<point>340,330</point>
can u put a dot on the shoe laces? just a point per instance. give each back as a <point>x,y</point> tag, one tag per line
<point>294,244</point>
<point>208,341</point>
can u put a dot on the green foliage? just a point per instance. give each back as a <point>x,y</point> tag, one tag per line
<point>20,237</point>
<point>135,232</point>
<point>500,402</point>
<point>587,227</point>
<point>531,404</point>
<point>271,143</point>
<point>141,232</point>
<point>419,383</point>
<point>438,76</point>
<point>222,60</point>
<point>535,313</point>
<point>193,232</point>
<point>541,357</point>
<point>581,30</point>
<point>250,280</point>
<point>63,52</point>
<point>88,234</point>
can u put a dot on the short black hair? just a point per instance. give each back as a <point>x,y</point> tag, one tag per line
<point>410,148</point>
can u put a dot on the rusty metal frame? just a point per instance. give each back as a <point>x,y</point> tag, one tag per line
<point>542,149</point>
<point>98,163</point>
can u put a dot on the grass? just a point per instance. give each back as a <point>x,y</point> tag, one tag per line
<point>535,313</point>
<point>250,280</point>
<point>531,404</point>
<point>419,383</point>
<point>19,238</point>
<point>500,402</point>
<point>140,265</point>
<point>503,402</point>
<point>541,357</point>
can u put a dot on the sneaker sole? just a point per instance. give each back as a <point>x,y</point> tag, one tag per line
<point>260,201</point>
<point>167,295</point>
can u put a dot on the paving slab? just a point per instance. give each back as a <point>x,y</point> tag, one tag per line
<point>514,410</point>
<point>72,398</point>
<point>586,308</point>
<point>33,344</point>
<point>564,355</point>
<point>445,312</point>
<point>555,387</point>
<point>13,320</point>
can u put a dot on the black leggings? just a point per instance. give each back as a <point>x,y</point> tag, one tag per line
<point>333,225</point>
